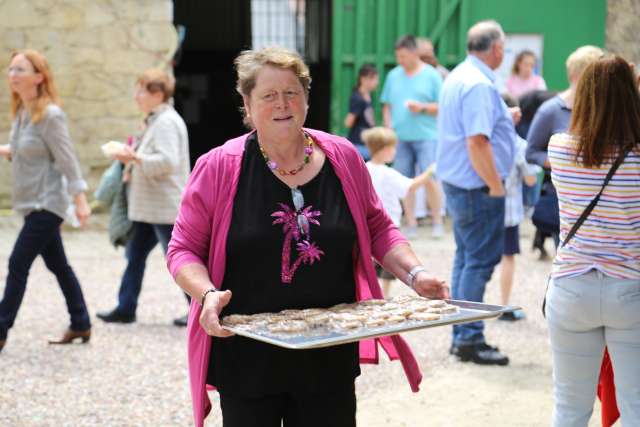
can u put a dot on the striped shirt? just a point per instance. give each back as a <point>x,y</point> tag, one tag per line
<point>609,239</point>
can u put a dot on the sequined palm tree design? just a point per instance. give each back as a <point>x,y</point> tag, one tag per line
<point>296,225</point>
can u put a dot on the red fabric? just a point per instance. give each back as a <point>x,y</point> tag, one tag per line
<point>607,392</point>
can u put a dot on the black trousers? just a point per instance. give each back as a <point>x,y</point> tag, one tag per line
<point>40,235</point>
<point>335,408</point>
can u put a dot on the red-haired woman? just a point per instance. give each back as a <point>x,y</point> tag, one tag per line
<point>593,299</point>
<point>46,178</point>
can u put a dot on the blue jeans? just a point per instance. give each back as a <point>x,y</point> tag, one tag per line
<point>40,235</point>
<point>143,238</point>
<point>364,151</point>
<point>585,313</point>
<point>478,227</point>
<point>414,154</point>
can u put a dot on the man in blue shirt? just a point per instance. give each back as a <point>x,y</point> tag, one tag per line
<point>476,150</point>
<point>410,105</point>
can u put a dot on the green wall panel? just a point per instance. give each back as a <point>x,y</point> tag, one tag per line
<point>365,31</point>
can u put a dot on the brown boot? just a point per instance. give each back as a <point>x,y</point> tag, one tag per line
<point>2,343</point>
<point>70,335</point>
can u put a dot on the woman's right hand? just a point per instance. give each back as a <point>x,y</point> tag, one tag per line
<point>213,305</point>
<point>5,151</point>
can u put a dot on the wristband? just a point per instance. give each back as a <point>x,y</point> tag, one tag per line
<point>205,293</point>
<point>411,276</point>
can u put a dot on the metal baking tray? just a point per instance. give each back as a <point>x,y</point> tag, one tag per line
<point>468,312</point>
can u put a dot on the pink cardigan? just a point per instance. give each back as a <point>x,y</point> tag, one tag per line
<point>200,234</point>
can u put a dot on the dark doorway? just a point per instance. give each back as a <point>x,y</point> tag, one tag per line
<point>214,33</point>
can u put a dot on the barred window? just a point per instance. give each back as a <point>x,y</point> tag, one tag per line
<point>278,22</point>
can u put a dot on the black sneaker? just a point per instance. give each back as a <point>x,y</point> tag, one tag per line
<point>512,316</point>
<point>114,316</point>
<point>481,354</point>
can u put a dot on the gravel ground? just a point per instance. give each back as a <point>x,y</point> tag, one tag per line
<point>135,375</point>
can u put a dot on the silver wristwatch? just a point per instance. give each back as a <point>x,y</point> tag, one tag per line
<point>411,276</point>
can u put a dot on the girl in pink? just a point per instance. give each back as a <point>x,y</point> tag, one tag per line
<point>522,79</point>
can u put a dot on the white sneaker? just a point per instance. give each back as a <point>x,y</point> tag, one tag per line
<point>411,232</point>
<point>437,231</point>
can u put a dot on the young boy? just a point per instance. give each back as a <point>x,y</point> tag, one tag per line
<point>390,184</point>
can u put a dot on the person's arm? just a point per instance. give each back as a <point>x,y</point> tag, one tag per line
<point>194,280</point>
<point>538,138</point>
<point>428,108</point>
<point>478,119</point>
<point>166,150</point>
<point>57,139</point>
<point>422,179</point>
<point>483,162</point>
<point>357,105</point>
<point>386,115</point>
<point>349,120</point>
<point>191,238</point>
<point>530,180</point>
<point>401,260</point>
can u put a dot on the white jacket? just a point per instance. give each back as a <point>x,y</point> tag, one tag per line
<point>156,184</point>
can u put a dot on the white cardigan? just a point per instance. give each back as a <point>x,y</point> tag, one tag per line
<point>156,184</point>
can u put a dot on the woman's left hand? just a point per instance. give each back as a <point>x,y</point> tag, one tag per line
<point>83,211</point>
<point>430,286</point>
<point>126,155</point>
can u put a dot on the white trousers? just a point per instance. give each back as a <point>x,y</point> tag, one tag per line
<point>586,313</point>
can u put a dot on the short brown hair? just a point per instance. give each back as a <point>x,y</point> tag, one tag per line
<point>606,110</point>
<point>250,62</point>
<point>155,80</point>
<point>377,138</point>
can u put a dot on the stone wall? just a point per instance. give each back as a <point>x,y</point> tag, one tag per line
<point>96,49</point>
<point>622,23</point>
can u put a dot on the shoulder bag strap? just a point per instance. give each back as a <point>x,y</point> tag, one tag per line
<point>595,200</point>
<point>586,213</point>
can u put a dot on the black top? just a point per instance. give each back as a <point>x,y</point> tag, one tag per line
<point>254,267</point>
<point>363,110</point>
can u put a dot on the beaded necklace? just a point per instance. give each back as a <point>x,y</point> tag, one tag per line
<point>308,151</point>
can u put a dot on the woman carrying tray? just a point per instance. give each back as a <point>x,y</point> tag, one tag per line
<point>283,218</point>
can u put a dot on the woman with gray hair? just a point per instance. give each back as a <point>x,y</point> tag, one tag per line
<point>156,171</point>
<point>283,217</point>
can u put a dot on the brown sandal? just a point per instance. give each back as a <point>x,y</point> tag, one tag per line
<point>70,335</point>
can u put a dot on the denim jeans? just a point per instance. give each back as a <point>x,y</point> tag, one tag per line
<point>143,238</point>
<point>40,235</point>
<point>585,313</point>
<point>364,152</point>
<point>478,227</point>
<point>414,154</point>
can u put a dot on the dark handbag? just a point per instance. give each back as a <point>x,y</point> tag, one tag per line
<point>586,213</point>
